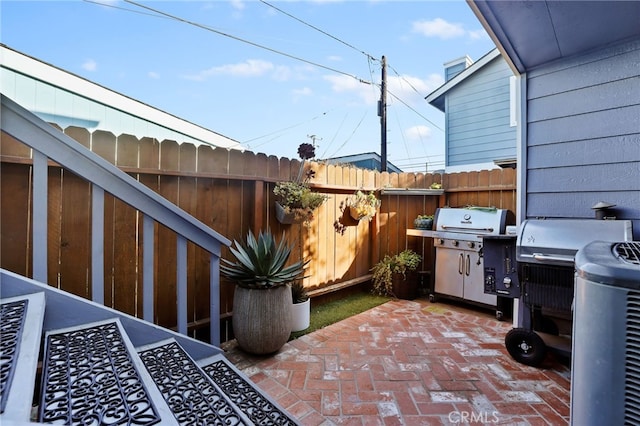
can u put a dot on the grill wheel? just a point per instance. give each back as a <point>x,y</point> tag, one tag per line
<point>525,346</point>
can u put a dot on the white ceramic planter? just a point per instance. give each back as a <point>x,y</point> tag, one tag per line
<point>300,315</point>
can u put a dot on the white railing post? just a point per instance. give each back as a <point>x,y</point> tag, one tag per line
<point>97,244</point>
<point>214,299</point>
<point>40,207</point>
<point>148,247</point>
<point>181,283</point>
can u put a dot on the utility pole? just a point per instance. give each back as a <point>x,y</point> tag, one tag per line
<point>313,139</point>
<point>382,112</point>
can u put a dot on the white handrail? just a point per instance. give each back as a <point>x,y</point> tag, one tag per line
<point>49,143</point>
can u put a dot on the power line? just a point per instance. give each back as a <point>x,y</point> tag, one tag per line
<point>350,136</point>
<point>412,109</point>
<point>113,6</point>
<point>318,29</point>
<point>286,128</point>
<point>159,13</point>
<point>415,90</point>
<point>207,28</point>
<point>370,59</point>
<point>405,80</point>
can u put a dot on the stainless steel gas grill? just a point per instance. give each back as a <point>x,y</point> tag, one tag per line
<point>458,234</point>
<point>545,253</point>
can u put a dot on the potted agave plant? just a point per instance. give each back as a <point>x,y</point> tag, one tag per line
<point>296,201</point>
<point>262,297</point>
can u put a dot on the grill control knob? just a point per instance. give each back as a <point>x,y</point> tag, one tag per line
<point>441,241</point>
<point>456,243</point>
<point>471,244</point>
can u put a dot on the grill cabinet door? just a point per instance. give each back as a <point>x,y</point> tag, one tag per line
<point>449,272</point>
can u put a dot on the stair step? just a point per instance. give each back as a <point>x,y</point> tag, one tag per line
<point>257,406</point>
<point>189,392</point>
<point>21,321</point>
<point>93,375</point>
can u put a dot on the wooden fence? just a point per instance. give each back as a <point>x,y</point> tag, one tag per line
<point>230,191</point>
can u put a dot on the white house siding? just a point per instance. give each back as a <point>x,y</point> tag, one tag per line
<point>583,135</point>
<point>65,99</point>
<point>477,121</point>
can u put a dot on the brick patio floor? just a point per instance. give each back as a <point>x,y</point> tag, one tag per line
<point>410,363</point>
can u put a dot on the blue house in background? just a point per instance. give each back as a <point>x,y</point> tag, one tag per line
<point>366,160</point>
<point>578,69</point>
<point>478,100</point>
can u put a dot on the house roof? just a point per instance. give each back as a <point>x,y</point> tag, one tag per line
<point>436,98</point>
<point>363,157</point>
<point>34,68</point>
<point>532,33</point>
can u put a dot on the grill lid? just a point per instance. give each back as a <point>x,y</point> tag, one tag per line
<point>556,241</point>
<point>470,220</point>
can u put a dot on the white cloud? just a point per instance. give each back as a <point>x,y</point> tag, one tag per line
<point>90,65</point>
<point>154,75</point>
<point>249,68</point>
<point>438,28</point>
<point>305,91</point>
<point>480,34</point>
<point>407,86</point>
<point>345,84</point>
<point>281,73</point>
<point>409,89</point>
<point>107,2</point>
<point>238,4</point>
<point>418,133</point>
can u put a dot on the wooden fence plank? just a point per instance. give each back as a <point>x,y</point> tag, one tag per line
<point>126,285</point>
<point>104,144</point>
<point>15,191</point>
<point>75,244</point>
<point>12,149</point>
<point>127,151</point>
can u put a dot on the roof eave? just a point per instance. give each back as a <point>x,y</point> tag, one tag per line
<point>492,26</point>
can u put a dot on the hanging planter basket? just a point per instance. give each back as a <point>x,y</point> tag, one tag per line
<point>286,217</point>
<point>363,205</point>
<point>353,212</point>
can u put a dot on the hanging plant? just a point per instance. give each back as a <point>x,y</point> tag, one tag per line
<point>391,266</point>
<point>363,205</point>
<point>296,202</point>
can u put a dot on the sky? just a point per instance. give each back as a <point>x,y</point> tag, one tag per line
<point>268,74</point>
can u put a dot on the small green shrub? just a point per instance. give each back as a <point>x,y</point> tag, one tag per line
<point>407,260</point>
